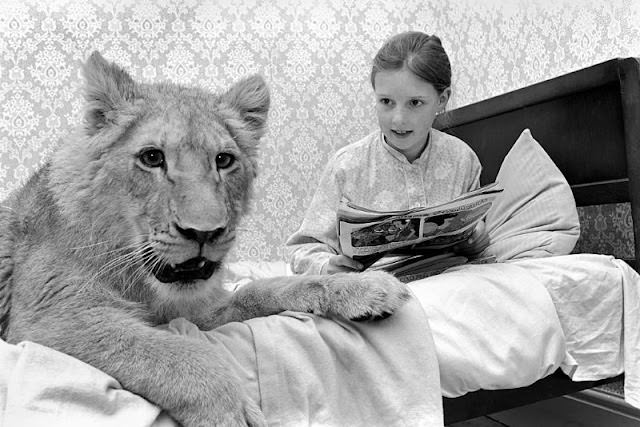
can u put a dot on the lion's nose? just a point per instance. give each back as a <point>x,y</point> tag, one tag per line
<point>200,236</point>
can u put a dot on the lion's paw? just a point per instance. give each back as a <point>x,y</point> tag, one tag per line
<point>253,415</point>
<point>369,295</point>
<point>233,410</point>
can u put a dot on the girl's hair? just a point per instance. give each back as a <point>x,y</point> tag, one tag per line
<point>422,54</point>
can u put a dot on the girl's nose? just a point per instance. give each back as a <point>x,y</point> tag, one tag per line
<point>398,116</point>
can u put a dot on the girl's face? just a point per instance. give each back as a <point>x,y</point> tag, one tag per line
<point>406,106</point>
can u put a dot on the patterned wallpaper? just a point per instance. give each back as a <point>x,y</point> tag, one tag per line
<point>315,54</point>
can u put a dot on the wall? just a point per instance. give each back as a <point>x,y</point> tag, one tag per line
<point>315,55</point>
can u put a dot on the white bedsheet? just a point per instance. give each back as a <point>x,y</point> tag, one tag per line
<point>490,326</point>
<point>506,325</point>
<point>42,387</point>
<point>597,298</point>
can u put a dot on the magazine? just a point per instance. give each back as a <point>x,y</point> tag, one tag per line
<point>367,235</point>
<point>408,268</point>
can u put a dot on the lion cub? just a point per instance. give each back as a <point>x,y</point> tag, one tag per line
<point>126,228</point>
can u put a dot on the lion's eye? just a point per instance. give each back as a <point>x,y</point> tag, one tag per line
<point>152,157</point>
<point>224,160</point>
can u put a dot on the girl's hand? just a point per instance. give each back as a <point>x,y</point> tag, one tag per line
<point>475,244</point>
<point>341,264</point>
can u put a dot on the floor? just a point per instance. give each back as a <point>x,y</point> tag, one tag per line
<point>572,411</point>
<point>479,422</point>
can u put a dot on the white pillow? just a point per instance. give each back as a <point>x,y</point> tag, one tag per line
<point>536,215</point>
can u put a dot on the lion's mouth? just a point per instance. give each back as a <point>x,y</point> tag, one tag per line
<point>198,268</point>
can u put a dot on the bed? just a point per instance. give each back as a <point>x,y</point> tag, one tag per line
<point>568,141</point>
<point>590,121</point>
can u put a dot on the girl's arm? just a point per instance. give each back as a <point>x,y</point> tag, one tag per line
<point>315,243</point>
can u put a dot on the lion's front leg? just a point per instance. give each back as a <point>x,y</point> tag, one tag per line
<point>355,296</point>
<point>193,384</point>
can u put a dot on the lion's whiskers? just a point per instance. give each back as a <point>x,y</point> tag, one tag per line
<point>126,257</point>
<point>148,261</point>
<point>128,247</point>
<point>93,245</point>
<point>104,268</point>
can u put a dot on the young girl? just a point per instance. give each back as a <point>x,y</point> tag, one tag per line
<point>405,164</point>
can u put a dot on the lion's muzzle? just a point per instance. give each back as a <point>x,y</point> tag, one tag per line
<point>201,237</point>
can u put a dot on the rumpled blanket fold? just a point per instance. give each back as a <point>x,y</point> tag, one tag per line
<point>303,369</point>
<point>317,371</point>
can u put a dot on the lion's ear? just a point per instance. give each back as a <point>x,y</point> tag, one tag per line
<point>107,89</point>
<point>250,97</point>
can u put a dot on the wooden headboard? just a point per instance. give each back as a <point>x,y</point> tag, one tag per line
<point>588,121</point>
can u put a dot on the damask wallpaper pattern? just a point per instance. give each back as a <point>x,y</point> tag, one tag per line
<point>315,55</point>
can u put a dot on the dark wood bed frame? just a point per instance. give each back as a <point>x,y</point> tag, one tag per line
<point>588,121</point>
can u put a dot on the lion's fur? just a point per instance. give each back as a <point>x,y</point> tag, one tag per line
<point>82,242</point>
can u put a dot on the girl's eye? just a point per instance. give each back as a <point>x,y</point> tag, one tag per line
<point>416,103</point>
<point>384,101</point>
<point>152,157</point>
<point>225,160</point>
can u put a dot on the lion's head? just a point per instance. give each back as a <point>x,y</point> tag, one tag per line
<point>160,174</point>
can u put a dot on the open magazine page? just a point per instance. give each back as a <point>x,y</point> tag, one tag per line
<point>364,232</point>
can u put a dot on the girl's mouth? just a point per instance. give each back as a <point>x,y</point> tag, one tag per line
<point>401,133</point>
